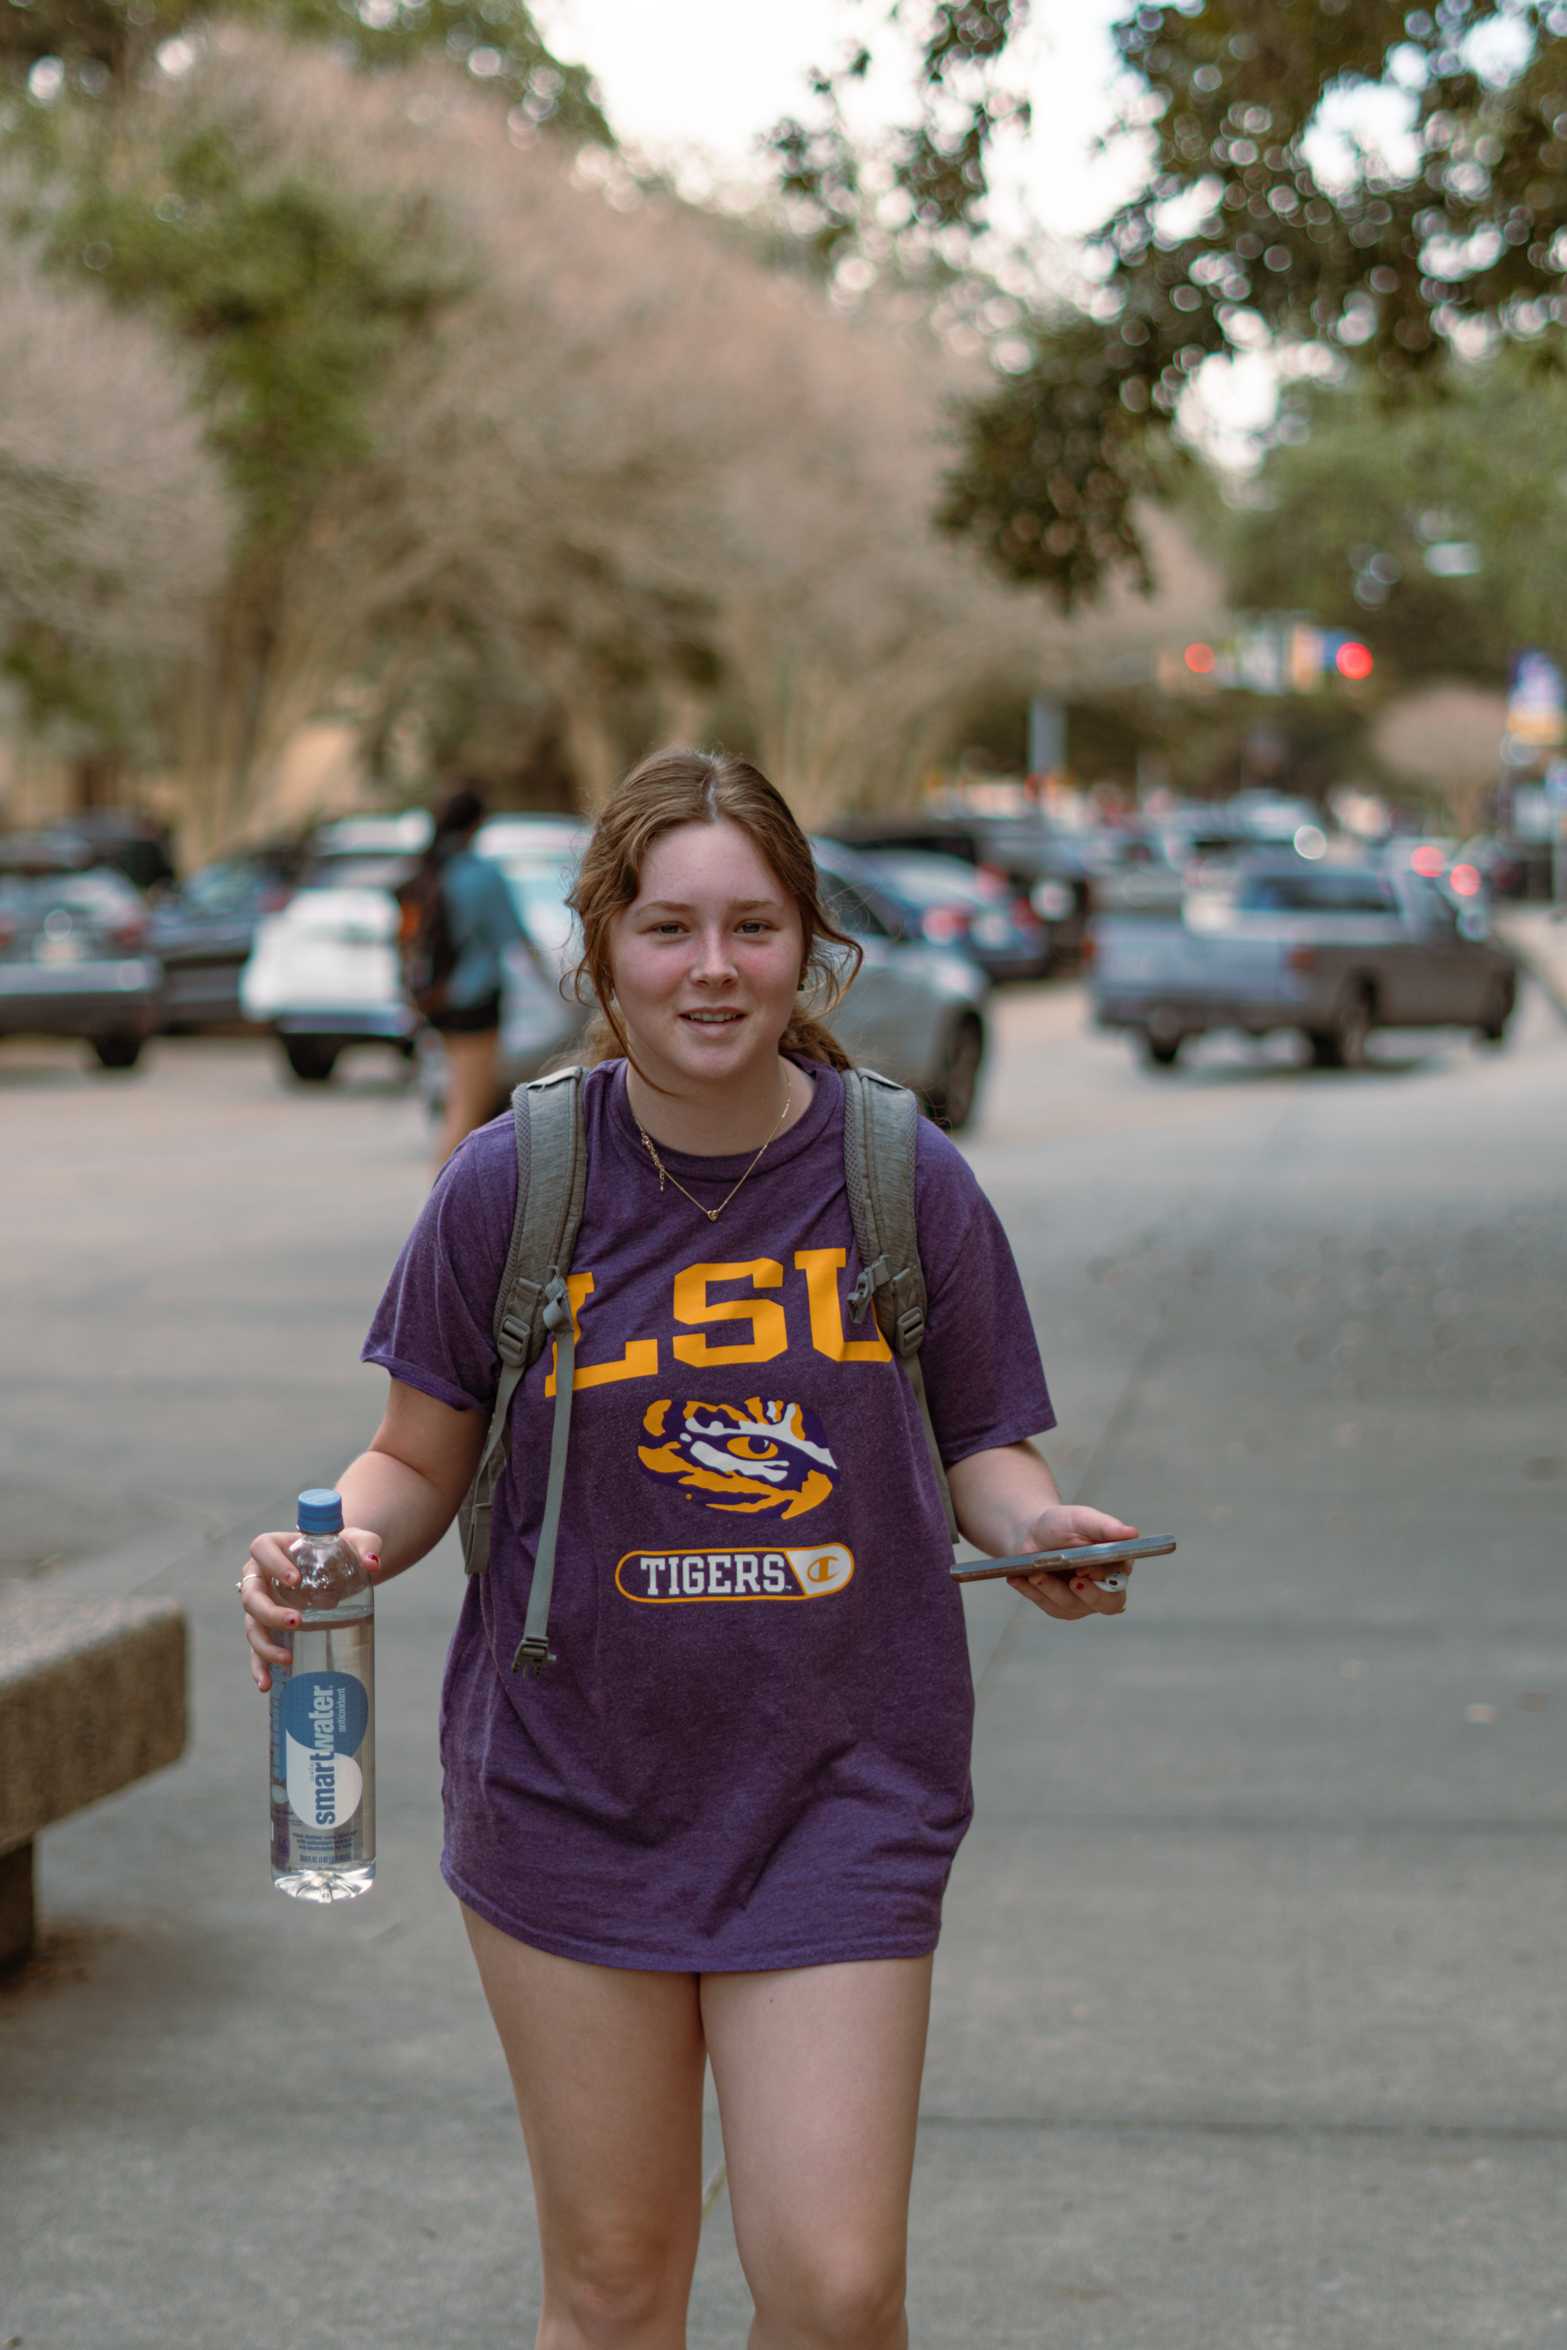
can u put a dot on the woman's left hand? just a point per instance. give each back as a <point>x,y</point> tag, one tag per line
<point>1071,1597</point>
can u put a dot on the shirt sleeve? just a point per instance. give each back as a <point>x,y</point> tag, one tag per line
<point>983,1377</point>
<point>432,1328</point>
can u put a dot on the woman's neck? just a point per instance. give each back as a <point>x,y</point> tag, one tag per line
<point>740,1116</point>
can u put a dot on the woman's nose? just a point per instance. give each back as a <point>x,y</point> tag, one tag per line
<point>713,957</point>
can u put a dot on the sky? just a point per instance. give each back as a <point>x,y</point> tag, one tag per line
<point>711,75</point>
<point>703,79</point>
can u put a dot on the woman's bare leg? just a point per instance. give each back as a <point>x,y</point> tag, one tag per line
<point>818,2077</point>
<point>607,2064</point>
<point>471,1063</point>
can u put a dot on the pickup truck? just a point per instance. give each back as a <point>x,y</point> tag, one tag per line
<point>1331,950</point>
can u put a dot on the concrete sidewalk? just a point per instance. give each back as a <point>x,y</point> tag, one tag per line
<point>1538,937</point>
<point>1248,2024</point>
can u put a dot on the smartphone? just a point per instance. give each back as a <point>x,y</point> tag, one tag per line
<point>1082,1555</point>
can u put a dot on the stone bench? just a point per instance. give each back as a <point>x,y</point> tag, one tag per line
<point>92,1698</point>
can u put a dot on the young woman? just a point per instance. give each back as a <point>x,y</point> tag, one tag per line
<point>719,1827</point>
<point>484,923</point>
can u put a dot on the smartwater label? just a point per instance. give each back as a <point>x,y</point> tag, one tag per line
<point>325,1716</point>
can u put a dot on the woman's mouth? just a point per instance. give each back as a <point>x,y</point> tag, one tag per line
<point>712,1019</point>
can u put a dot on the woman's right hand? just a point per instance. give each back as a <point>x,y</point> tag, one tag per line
<point>266,1591</point>
<point>266,1580</point>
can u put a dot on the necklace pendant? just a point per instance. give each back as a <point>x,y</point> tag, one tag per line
<point>711,1214</point>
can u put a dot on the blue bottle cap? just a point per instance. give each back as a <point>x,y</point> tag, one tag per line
<point>321,1511</point>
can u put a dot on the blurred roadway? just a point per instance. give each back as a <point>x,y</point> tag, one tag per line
<point>1248,2030</point>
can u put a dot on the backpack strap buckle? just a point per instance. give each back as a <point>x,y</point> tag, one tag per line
<point>513,1338</point>
<point>534,1655</point>
<point>865,1289</point>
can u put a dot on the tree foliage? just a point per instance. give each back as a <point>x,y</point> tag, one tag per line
<point>519,453</point>
<point>115,523</point>
<point>525,464</point>
<point>102,49</point>
<point>938,167</point>
<point>1240,239</point>
<point>1434,530</point>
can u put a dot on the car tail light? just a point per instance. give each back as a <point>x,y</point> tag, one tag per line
<point>128,935</point>
<point>1301,959</point>
<point>1089,948</point>
<point>1024,915</point>
<point>1427,862</point>
<point>943,924</point>
<point>1464,881</point>
<point>993,874</point>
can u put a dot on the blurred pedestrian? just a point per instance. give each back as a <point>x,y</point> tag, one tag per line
<point>718,1825</point>
<point>471,922</point>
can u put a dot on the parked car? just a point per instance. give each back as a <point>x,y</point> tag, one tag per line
<point>1516,869</point>
<point>1476,868</point>
<point>1130,869</point>
<point>202,931</point>
<point>43,850</point>
<point>953,904</point>
<point>102,839</point>
<point>1029,857</point>
<point>1206,845</point>
<point>916,1011</point>
<point>74,961</point>
<point>1331,950</point>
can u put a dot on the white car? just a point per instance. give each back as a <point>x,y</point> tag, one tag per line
<point>323,971</point>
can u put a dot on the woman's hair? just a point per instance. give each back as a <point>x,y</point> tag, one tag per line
<point>462,810</point>
<point>679,786</point>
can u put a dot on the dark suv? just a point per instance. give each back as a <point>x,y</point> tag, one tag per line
<point>1021,851</point>
<point>136,846</point>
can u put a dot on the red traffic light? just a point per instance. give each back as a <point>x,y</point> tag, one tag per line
<point>1200,660</point>
<point>1354,660</point>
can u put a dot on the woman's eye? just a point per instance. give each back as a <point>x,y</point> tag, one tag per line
<point>757,926</point>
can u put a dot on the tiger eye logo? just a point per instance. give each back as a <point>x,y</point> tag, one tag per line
<point>758,1455</point>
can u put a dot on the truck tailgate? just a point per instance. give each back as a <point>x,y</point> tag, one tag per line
<point>1147,962</point>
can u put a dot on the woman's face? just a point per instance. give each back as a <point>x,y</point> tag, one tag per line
<point>706,959</point>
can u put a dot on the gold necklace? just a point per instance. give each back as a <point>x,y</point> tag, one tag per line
<point>664,1176</point>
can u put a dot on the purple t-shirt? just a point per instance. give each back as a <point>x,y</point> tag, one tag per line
<point>753,1750</point>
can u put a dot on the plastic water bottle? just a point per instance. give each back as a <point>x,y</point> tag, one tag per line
<point>323,1718</point>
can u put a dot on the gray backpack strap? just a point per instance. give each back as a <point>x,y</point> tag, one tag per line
<point>532,1303</point>
<point>880,1131</point>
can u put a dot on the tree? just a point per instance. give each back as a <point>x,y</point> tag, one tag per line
<point>105,49</point>
<point>114,519</point>
<point>1237,240</point>
<point>1440,745</point>
<point>1435,531</point>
